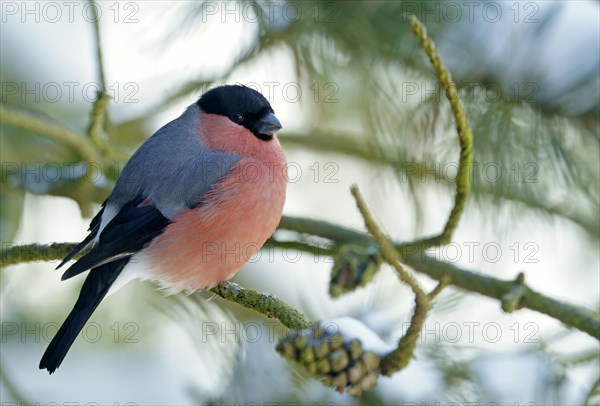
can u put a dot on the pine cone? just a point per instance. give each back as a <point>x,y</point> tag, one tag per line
<point>354,266</point>
<point>341,364</point>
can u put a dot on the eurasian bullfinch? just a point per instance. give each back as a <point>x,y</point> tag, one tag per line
<point>194,203</point>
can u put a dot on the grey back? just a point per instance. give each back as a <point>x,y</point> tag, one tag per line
<point>173,168</point>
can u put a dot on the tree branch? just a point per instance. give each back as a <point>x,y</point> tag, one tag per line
<point>13,254</point>
<point>264,303</point>
<point>45,128</point>
<point>571,315</point>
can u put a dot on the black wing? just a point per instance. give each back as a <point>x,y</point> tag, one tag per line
<point>128,232</point>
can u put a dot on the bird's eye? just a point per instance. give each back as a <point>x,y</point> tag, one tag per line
<point>238,118</point>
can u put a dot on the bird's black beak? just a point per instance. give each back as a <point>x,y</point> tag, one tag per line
<point>267,126</point>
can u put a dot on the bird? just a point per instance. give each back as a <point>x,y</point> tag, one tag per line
<point>191,206</point>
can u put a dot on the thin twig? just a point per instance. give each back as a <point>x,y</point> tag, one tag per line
<point>98,121</point>
<point>99,113</point>
<point>465,137</point>
<point>386,248</point>
<point>401,356</point>
<point>99,58</point>
<point>438,289</point>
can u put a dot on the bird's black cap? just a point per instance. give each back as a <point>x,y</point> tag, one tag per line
<point>244,106</point>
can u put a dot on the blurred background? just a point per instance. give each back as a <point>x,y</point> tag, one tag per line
<point>359,104</point>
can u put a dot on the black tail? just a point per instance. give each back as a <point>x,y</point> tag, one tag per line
<point>95,287</point>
